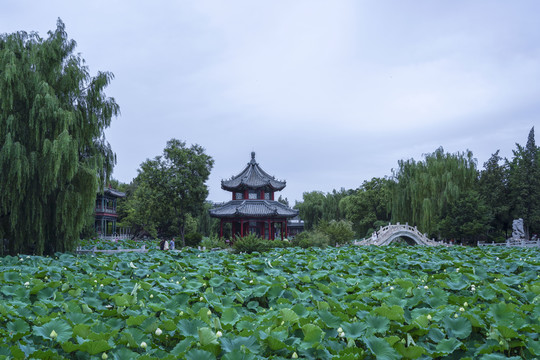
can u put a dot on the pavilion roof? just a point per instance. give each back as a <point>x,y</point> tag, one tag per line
<point>253,209</point>
<point>113,192</point>
<point>252,177</point>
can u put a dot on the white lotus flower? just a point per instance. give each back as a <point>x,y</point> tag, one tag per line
<point>341,334</point>
<point>391,288</point>
<point>426,287</point>
<point>461,309</point>
<point>339,330</point>
<point>131,265</point>
<point>158,331</point>
<point>27,284</point>
<point>219,334</point>
<point>143,345</point>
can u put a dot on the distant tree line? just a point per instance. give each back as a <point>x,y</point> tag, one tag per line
<point>444,194</point>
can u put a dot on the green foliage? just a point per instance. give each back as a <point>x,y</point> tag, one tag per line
<point>102,244</point>
<point>316,207</point>
<point>193,239</point>
<point>422,191</point>
<point>467,219</point>
<point>338,232</point>
<point>53,154</point>
<point>171,189</point>
<point>368,206</point>
<point>309,239</point>
<point>311,208</point>
<point>214,242</point>
<point>524,184</point>
<point>346,302</point>
<point>251,243</point>
<point>493,188</point>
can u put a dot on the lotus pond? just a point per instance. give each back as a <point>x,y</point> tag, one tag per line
<point>343,303</point>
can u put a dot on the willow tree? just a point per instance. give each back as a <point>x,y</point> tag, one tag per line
<point>423,190</point>
<point>53,151</point>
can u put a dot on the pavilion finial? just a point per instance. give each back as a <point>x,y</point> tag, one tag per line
<point>253,155</point>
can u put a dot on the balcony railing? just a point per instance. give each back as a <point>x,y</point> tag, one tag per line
<point>105,210</point>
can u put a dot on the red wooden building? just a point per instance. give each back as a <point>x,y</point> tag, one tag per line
<point>105,213</point>
<point>253,209</point>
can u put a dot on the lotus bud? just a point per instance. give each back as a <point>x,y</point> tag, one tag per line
<point>391,288</point>
<point>104,356</point>
<point>209,313</point>
<point>158,331</point>
<point>53,334</point>
<point>461,309</point>
<point>341,334</point>
<point>294,355</point>
<point>219,334</point>
<point>426,287</point>
<point>339,330</point>
<point>465,304</point>
<point>429,317</point>
<point>151,296</point>
<point>143,345</point>
<point>456,315</point>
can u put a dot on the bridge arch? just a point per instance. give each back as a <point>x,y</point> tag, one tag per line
<point>388,234</point>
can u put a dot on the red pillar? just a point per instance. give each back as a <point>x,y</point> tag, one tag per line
<point>220,228</point>
<point>281,231</point>
<point>241,228</point>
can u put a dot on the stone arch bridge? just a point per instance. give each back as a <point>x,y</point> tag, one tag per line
<point>386,235</point>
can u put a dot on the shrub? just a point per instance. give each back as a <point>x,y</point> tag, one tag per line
<point>214,242</point>
<point>338,232</point>
<point>308,239</point>
<point>193,239</point>
<point>251,243</point>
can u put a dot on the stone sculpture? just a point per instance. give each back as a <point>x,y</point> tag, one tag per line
<point>517,229</point>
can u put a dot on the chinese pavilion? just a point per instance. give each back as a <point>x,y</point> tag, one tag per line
<point>253,209</point>
<point>105,212</point>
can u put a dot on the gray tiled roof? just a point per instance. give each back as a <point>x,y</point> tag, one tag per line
<point>252,177</point>
<point>253,208</point>
<point>114,192</point>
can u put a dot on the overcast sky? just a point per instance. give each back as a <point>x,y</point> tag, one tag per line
<point>327,93</point>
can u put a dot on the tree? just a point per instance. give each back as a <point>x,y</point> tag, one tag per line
<point>423,190</point>
<point>493,187</point>
<point>368,207</point>
<point>53,151</point>
<point>467,218</point>
<point>311,209</point>
<point>524,183</point>
<point>174,185</point>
